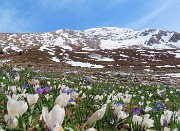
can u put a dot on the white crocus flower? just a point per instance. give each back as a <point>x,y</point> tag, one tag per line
<point>167,129</point>
<point>127,98</point>
<point>13,96</point>
<point>147,108</point>
<point>150,94</point>
<point>141,103</point>
<point>142,97</point>
<point>96,115</point>
<point>48,96</point>
<point>91,129</point>
<point>48,82</point>
<point>114,98</point>
<point>113,92</point>
<point>89,87</point>
<point>122,115</point>
<point>2,84</point>
<point>14,108</point>
<point>164,120</point>
<point>177,116</point>
<point>98,97</point>
<point>137,119</point>
<point>148,102</point>
<point>147,122</point>
<point>13,89</point>
<point>166,100</point>
<point>168,114</point>
<point>108,101</point>
<point>74,95</point>
<point>83,96</point>
<point>64,87</point>
<point>166,117</point>
<point>117,108</point>
<point>32,98</point>
<point>12,121</point>
<point>119,95</point>
<point>62,100</point>
<point>101,97</point>
<point>54,118</point>
<point>17,78</point>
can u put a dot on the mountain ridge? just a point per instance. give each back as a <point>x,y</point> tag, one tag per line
<point>93,38</point>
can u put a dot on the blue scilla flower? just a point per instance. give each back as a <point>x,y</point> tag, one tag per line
<point>160,105</point>
<point>4,72</point>
<point>71,100</point>
<point>1,90</point>
<point>71,91</point>
<point>105,91</point>
<point>25,86</point>
<point>156,109</point>
<point>117,105</point>
<point>15,76</point>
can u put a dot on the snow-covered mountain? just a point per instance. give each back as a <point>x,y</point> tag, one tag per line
<point>112,38</point>
<point>95,38</point>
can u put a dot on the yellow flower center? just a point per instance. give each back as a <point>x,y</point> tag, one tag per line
<point>60,129</point>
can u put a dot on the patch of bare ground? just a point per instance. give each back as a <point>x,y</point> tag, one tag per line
<point>145,63</point>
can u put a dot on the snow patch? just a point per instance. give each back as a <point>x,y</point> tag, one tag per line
<point>176,75</point>
<point>5,61</point>
<point>55,59</point>
<point>81,64</point>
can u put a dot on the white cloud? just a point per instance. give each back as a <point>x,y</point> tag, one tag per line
<point>145,19</point>
<point>10,20</point>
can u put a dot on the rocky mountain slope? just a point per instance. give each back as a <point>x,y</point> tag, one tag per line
<point>95,38</point>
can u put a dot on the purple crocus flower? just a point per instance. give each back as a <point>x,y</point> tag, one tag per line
<point>25,86</point>
<point>65,90</point>
<point>47,90</point>
<point>137,111</point>
<point>39,90</point>
<point>165,122</point>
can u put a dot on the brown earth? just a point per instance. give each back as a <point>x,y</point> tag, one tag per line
<point>135,62</point>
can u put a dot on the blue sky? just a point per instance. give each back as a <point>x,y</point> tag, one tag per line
<point>50,15</point>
